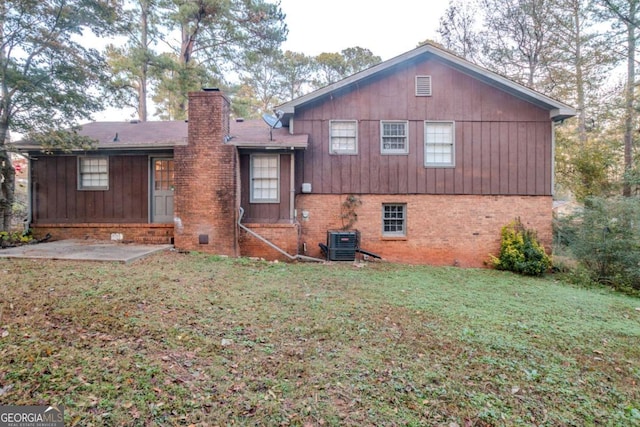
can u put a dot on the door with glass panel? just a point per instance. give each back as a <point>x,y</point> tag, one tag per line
<point>162,170</point>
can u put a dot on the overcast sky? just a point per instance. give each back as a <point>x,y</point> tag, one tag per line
<point>387,28</point>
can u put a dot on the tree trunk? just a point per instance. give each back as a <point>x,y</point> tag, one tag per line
<point>7,173</point>
<point>7,180</point>
<point>629,95</point>
<point>579,60</point>
<point>142,88</point>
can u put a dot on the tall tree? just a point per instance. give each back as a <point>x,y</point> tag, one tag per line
<point>296,72</point>
<point>134,64</point>
<point>516,38</point>
<point>261,73</point>
<point>44,74</point>
<point>331,67</point>
<point>583,61</point>
<point>174,81</point>
<point>627,15</point>
<point>458,29</point>
<point>214,34</point>
<point>585,155</point>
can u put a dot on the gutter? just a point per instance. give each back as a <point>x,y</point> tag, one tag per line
<point>262,239</point>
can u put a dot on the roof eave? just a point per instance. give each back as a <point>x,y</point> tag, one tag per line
<point>24,148</point>
<point>270,146</point>
<point>561,114</point>
<point>456,62</point>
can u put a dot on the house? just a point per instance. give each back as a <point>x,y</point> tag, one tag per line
<point>426,155</point>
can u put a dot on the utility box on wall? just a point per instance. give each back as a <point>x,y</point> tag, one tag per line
<point>342,245</point>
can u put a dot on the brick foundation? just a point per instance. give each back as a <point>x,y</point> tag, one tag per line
<point>130,233</point>
<point>441,229</point>
<point>284,236</point>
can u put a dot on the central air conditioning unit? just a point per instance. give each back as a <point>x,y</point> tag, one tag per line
<point>341,245</point>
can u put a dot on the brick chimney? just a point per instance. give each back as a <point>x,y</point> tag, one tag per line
<point>206,169</point>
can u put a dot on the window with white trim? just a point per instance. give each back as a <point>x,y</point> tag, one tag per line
<point>439,144</point>
<point>265,178</point>
<point>394,137</point>
<point>343,135</point>
<point>394,219</point>
<point>93,173</point>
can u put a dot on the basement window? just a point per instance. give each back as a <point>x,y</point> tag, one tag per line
<point>93,173</point>
<point>394,219</point>
<point>265,182</point>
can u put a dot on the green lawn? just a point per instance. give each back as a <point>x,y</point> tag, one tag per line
<point>193,339</point>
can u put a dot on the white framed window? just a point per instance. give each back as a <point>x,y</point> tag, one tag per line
<point>343,136</point>
<point>394,137</point>
<point>423,85</point>
<point>439,144</point>
<point>394,219</point>
<point>93,173</point>
<point>265,178</point>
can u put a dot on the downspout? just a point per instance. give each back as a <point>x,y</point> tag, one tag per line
<point>292,189</point>
<point>262,239</point>
<point>553,158</point>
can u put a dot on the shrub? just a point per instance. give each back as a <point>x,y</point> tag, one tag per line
<point>605,239</point>
<point>521,252</point>
<point>14,238</point>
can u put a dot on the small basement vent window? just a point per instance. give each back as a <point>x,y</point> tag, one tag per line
<point>394,219</point>
<point>423,85</point>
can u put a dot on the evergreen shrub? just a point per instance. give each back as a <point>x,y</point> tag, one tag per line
<point>604,237</point>
<point>521,252</point>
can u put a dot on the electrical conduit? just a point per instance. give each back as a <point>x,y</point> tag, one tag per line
<point>262,239</point>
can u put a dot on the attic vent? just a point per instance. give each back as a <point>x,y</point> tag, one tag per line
<point>423,85</point>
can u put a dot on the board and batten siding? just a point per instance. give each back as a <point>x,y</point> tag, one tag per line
<point>502,143</point>
<point>266,212</point>
<point>56,198</point>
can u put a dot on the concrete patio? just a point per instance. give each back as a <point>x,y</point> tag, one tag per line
<point>83,250</point>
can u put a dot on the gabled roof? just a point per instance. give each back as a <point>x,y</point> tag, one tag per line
<point>557,110</point>
<point>128,135</point>
<point>136,134</point>
<point>157,135</point>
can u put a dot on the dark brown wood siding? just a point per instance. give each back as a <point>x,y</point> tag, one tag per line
<point>266,212</point>
<point>56,198</point>
<point>502,143</point>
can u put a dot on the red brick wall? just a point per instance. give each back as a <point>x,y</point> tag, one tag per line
<point>284,236</point>
<point>131,233</point>
<point>206,176</point>
<point>441,229</point>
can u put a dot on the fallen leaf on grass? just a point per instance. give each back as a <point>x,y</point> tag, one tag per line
<point>6,389</point>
